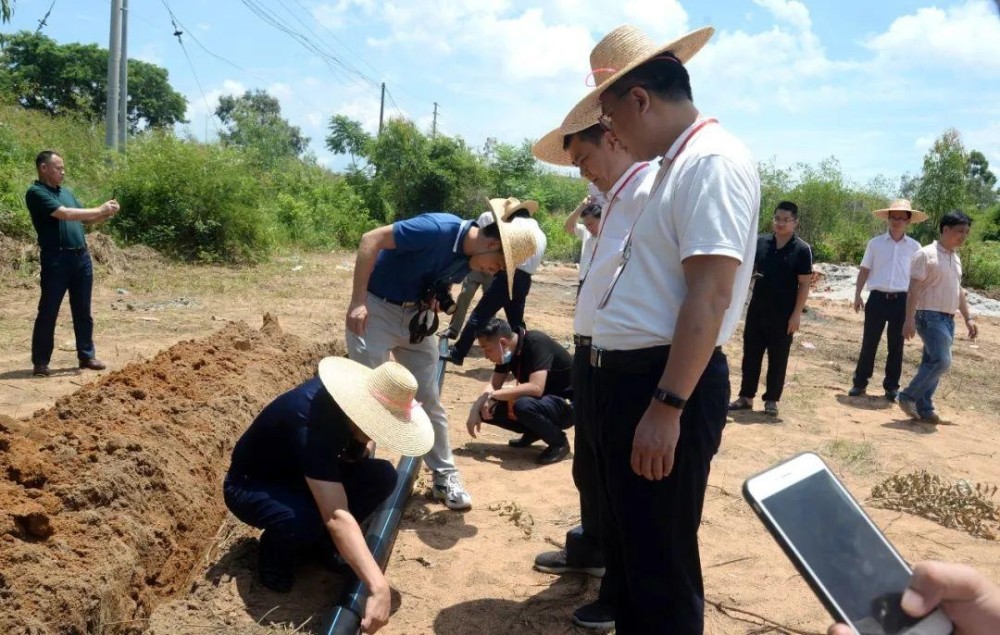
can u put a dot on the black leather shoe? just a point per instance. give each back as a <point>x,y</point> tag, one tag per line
<point>554,454</point>
<point>452,357</point>
<point>92,364</point>
<point>41,370</point>
<point>596,615</point>
<point>558,562</point>
<point>891,395</point>
<point>856,391</point>
<point>523,441</point>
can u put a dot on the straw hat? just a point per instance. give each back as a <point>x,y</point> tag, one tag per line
<point>517,240</point>
<point>627,47</point>
<point>901,205</point>
<point>380,402</point>
<point>511,206</point>
<point>550,147</point>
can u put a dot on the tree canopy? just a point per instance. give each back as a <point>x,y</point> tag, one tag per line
<point>253,121</point>
<point>41,74</point>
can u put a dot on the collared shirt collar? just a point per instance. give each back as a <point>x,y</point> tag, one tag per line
<point>55,189</point>
<point>941,247</point>
<point>681,139</point>
<point>615,189</point>
<point>462,232</point>
<point>889,238</point>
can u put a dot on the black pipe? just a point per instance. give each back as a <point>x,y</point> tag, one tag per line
<point>345,619</point>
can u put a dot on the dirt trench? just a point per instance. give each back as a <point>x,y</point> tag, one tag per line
<point>109,499</point>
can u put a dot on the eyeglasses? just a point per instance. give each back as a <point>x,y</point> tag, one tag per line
<point>777,220</point>
<point>899,218</point>
<point>605,117</point>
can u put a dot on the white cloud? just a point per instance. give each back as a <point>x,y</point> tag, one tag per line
<point>334,16</point>
<point>659,19</point>
<point>199,105</point>
<point>965,36</point>
<point>282,91</point>
<point>149,53</point>
<point>790,11</point>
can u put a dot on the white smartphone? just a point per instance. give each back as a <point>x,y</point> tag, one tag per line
<point>837,548</point>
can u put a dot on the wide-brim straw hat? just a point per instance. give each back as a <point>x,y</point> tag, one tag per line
<point>381,402</point>
<point>901,205</point>
<point>626,48</point>
<point>550,147</point>
<point>517,242</point>
<point>511,206</point>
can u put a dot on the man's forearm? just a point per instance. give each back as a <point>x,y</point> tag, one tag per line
<point>513,393</point>
<point>963,305</point>
<point>364,264</point>
<point>84,215</point>
<point>801,298</point>
<point>350,543</point>
<point>859,284</point>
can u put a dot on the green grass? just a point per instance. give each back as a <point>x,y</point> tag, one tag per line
<point>854,456</point>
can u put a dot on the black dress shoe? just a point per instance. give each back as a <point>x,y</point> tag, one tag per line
<point>92,364</point>
<point>41,370</point>
<point>523,441</point>
<point>554,454</point>
<point>596,615</point>
<point>891,395</point>
<point>452,357</point>
<point>856,391</point>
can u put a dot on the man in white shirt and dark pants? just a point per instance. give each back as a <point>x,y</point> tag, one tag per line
<point>885,268</point>
<point>661,381</point>
<point>623,188</point>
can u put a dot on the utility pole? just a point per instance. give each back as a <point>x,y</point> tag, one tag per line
<point>123,82</point>
<point>114,70</point>
<point>434,126</point>
<point>381,110</point>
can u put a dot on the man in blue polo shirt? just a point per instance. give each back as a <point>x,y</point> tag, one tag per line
<point>398,269</point>
<point>58,218</point>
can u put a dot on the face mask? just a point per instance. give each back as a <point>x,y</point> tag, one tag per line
<point>505,355</point>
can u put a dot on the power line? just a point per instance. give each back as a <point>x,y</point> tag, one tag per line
<point>208,107</point>
<point>45,18</point>
<point>180,29</point>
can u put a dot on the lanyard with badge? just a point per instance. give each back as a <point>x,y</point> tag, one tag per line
<point>605,216</point>
<point>664,171</point>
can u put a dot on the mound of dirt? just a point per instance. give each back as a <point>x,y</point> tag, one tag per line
<point>15,253</point>
<point>109,499</point>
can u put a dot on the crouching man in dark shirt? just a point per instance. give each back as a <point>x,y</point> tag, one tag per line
<point>539,406</point>
<point>304,473</point>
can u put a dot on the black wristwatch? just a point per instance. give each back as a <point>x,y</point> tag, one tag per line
<point>665,396</point>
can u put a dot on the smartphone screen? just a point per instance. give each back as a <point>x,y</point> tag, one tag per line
<point>847,556</point>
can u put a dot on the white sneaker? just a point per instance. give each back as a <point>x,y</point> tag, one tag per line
<point>448,489</point>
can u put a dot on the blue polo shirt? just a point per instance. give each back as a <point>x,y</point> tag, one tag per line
<point>428,254</point>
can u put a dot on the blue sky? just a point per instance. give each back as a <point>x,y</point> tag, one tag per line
<point>871,82</point>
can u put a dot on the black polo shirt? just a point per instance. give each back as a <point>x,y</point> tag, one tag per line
<point>775,291</point>
<point>53,232</point>
<point>537,351</point>
<point>301,433</point>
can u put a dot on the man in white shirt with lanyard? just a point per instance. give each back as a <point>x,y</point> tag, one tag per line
<point>581,142</point>
<point>661,381</point>
<point>885,268</point>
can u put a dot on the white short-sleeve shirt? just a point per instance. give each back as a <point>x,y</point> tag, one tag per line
<point>586,249</point>
<point>628,195</point>
<point>706,202</point>
<point>889,263</point>
<point>941,271</point>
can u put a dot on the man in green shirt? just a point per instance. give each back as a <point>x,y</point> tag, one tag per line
<point>58,218</point>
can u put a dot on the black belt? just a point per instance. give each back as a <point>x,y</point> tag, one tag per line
<point>77,249</point>
<point>405,305</point>
<point>582,340</point>
<point>891,296</point>
<point>638,361</point>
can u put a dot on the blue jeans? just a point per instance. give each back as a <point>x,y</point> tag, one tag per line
<point>937,330</point>
<point>64,270</point>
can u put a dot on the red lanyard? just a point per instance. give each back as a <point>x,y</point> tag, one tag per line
<point>607,214</point>
<point>664,170</point>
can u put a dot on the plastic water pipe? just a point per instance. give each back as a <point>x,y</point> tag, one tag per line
<point>345,618</point>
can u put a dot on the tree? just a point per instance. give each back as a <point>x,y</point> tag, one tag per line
<point>943,181</point>
<point>253,121</point>
<point>42,74</point>
<point>980,181</point>
<point>347,137</point>
<point>6,10</point>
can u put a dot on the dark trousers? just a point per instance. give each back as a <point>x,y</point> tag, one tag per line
<point>882,309</point>
<point>62,271</point>
<point>652,530</point>
<point>584,544</point>
<point>545,417</point>
<point>495,298</point>
<point>765,331</point>
<point>287,511</point>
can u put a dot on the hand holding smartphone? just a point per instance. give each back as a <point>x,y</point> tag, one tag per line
<point>849,564</point>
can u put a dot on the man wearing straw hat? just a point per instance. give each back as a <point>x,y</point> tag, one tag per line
<point>934,296</point>
<point>885,268</point>
<point>623,187</point>
<point>303,470</point>
<point>661,381</point>
<point>397,268</point>
<point>497,296</point>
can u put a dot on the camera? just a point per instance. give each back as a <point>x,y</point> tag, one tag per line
<point>445,301</point>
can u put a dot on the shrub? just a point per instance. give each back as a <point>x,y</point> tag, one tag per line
<point>981,264</point>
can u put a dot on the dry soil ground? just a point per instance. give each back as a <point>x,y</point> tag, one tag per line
<point>110,507</point>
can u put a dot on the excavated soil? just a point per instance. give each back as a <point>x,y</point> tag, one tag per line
<point>109,498</point>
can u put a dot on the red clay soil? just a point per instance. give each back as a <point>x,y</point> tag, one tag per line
<point>109,498</point>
